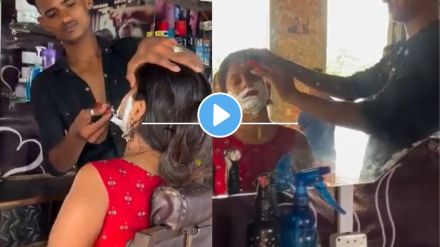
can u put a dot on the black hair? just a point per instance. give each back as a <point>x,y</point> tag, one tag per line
<point>186,150</point>
<point>241,55</point>
<point>31,2</point>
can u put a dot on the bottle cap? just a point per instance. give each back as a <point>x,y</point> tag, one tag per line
<point>180,28</point>
<point>163,26</point>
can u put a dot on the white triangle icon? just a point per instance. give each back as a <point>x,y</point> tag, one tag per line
<point>219,115</point>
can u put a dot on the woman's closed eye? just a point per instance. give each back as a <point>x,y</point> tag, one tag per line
<point>50,14</point>
<point>69,3</point>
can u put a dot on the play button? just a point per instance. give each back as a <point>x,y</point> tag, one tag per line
<point>219,115</point>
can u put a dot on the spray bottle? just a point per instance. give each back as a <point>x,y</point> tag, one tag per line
<point>298,228</point>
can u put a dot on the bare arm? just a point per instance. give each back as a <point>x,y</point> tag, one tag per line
<point>335,86</point>
<point>143,13</point>
<point>64,155</point>
<point>359,85</point>
<point>82,214</point>
<point>341,113</point>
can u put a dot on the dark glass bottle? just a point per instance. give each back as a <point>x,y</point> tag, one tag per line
<point>234,178</point>
<point>264,230</point>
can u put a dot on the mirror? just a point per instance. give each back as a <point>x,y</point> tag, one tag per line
<point>317,36</point>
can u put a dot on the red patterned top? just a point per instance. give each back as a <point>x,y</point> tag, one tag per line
<point>129,189</point>
<point>254,159</point>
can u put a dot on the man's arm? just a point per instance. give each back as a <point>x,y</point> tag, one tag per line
<point>63,149</point>
<point>144,13</point>
<point>359,85</point>
<point>66,153</point>
<point>62,152</point>
<point>342,113</point>
<point>80,219</point>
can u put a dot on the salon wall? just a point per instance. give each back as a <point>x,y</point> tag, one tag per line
<point>298,33</point>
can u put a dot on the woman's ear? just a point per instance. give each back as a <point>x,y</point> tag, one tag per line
<point>215,83</point>
<point>137,112</point>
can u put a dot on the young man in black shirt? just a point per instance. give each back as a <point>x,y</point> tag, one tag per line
<point>92,74</point>
<point>401,92</point>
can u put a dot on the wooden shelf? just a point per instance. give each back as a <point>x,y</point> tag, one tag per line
<point>193,4</point>
<point>28,190</point>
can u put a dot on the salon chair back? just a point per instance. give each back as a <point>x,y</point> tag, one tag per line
<point>182,218</point>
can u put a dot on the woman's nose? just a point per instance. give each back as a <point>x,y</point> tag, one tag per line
<point>247,81</point>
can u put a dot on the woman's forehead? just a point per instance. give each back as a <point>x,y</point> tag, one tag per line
<point>241,64</point>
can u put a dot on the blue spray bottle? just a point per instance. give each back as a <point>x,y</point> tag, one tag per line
<point>298,228</point>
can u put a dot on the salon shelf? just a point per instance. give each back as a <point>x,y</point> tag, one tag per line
<point>32,189</point>
<point>193,4</point>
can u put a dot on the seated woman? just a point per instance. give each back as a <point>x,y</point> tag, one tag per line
<point>252,149</point>
<point>110,200</point>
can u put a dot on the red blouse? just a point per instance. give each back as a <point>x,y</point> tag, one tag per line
<point>254,160</point>
<point>129,189</point>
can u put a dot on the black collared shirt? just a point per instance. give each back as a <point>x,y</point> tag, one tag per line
<point>58,95</point>
<point>407,107</point>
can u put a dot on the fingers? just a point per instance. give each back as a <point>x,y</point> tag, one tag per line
<point>140,59</point>
<point>100,109</point>
<point>283,85</point>
<point>98,136</point>
<point>101,122</point>
<point>189,59</point>
<point>267,76</point>
<point>94,129</point>
<point>160,51</point>
<point>87,129</point>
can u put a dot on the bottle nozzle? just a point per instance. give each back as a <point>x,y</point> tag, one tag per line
<point>40,49</point>
<point>313,177</point>
<point>263,181</point>
<point>325,195</point>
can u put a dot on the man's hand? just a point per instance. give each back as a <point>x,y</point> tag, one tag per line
<point>92,132</point>
<point>277,79</point>
<point>273,62</point>
<point>118,15</point>
<point>160,51</point>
